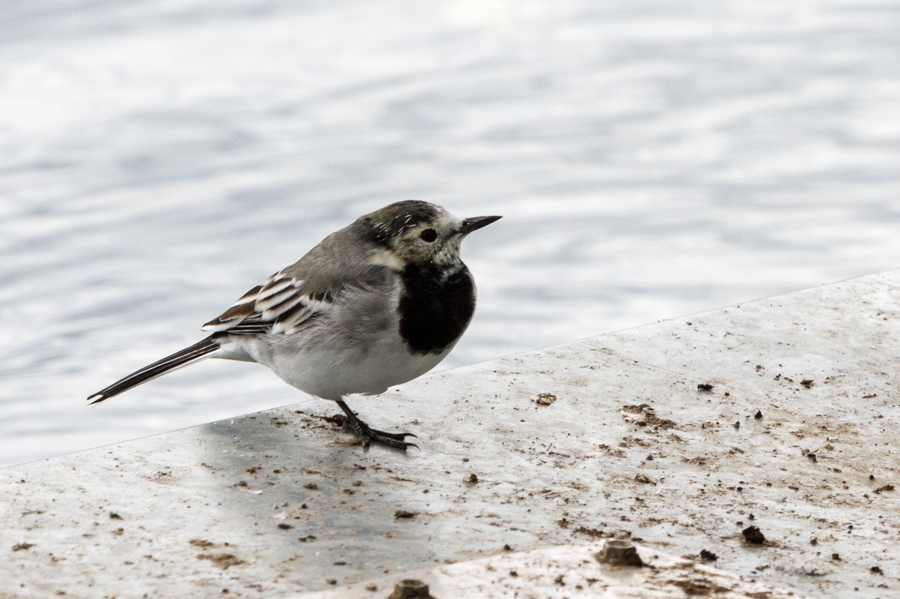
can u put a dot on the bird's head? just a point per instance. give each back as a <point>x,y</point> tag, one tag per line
<point>419,233</point>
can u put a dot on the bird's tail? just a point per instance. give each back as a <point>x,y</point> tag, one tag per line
<point>179,359</point>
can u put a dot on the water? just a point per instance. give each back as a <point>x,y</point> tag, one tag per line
<point>651,159</point>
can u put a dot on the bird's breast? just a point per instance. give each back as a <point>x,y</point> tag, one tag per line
<point>434,309</point>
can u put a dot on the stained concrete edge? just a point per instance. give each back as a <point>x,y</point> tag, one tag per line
<point>780,414</point>
<point>565,571</point>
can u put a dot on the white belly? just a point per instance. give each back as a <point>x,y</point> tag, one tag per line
<point>333,368</point>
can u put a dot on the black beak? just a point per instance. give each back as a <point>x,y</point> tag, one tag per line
<point>475,223</point>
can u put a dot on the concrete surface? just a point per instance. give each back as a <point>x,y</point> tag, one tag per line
<point>280,503</point>
<point>567,572</point>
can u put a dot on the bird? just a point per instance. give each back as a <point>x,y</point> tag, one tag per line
<point>373,305</point>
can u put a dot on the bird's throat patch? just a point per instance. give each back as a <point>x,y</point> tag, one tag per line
<point>434,312</point>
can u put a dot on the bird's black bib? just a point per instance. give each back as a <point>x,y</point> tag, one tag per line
<point>434,312</point>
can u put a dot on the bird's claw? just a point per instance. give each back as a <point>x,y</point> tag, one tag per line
<point>371,435</point>
<point>388,442</point>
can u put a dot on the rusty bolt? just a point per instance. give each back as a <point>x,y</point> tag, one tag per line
<point>619,553</point>
<point>410,589</point>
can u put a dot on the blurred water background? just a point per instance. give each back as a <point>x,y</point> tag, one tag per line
<point>651,159</point>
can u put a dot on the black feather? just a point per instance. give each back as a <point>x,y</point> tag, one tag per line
<point>434,310</point>
<point>159,368</point>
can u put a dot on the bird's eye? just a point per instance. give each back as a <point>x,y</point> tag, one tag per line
<point>428,235</point>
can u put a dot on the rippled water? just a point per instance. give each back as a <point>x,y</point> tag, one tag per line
<point>652,159</point>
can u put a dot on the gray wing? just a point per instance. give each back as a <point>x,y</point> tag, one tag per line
<point>304,290</point>
<point>279,305</point>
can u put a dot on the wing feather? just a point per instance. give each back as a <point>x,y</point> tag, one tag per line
<point>291,320</point>
<point>274,312</point>
<point>273,285</point>
<point>278,306</point>
<point>273,301</point>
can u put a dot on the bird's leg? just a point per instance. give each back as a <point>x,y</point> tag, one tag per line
<point>395,440</point>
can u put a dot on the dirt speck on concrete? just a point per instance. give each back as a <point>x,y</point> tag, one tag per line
<point>545,399</point>
<point>644,415</point>
<point>591,532</point>
<point>616,453</point>
<point>223,560</point>
<point>753,535</point>
<point>699,588</point>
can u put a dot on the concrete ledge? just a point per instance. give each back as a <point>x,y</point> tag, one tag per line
<point>567,572</point>
<point>279,503</point>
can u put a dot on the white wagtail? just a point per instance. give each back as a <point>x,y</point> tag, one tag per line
<point>373,305</point>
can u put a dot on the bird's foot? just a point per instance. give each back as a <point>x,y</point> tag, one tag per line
<point>370,435</point>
